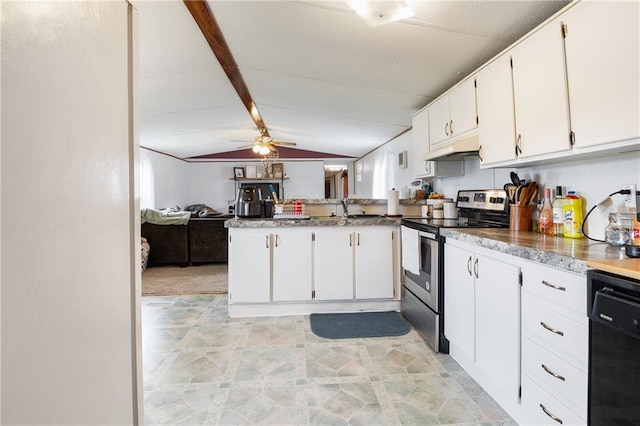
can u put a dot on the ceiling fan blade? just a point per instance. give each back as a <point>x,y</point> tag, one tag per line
<point>284,143</point>
<point>246,146</point>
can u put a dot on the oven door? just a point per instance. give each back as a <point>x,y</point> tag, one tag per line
<point>424,285</point>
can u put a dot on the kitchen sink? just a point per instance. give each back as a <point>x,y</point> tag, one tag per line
<point>364,216</point>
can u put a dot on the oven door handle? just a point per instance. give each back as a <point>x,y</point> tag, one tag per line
<point>429,235</point>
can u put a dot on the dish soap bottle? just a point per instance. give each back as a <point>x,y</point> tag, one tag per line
<point>572,215</point>
<point>558,222</point>
<point>545,220</point>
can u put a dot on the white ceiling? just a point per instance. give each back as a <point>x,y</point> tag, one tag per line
<point>320,76</point>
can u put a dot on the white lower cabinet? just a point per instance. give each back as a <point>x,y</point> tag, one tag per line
<point>299,266</point>
<point>333,265</point>
<point>482,313</point>
<point>249,266</point>
<point>374,263</point>
<point>292,265</point>
<point>555,336</point>
<point>354,263</point>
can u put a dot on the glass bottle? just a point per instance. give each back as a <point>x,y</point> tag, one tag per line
<point>619,231</point>
<point>545,220</point>
<point>536,214</point>
<point>558,220</point>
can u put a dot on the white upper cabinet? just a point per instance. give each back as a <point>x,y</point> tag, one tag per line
<point>602,48</point>
<point>453,115</point>
<point>540,93</point>
<point>496,129</point>
<point>420,141</point>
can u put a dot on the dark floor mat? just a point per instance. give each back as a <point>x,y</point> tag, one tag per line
<point>358,324</point>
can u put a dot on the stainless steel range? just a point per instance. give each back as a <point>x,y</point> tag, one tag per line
<point>423,259</point>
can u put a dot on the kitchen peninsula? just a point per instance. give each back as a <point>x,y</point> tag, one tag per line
<point>323,264</point>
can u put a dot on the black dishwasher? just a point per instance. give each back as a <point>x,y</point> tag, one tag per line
<point>614,349</point>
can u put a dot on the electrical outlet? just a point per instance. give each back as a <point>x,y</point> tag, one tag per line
<point>630,200</point>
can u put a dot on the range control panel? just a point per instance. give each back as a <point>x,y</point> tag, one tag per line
<point>483,199</point>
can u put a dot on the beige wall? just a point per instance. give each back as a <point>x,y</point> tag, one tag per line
<point>68,326</point>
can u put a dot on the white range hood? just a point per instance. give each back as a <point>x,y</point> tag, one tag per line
<point>456,150</point>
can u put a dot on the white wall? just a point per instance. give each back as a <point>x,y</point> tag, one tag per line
<point>68,234</point>
<point>592,179</point>
<point>401,177</point>
<point>182,183</point>
<point>170,179</point>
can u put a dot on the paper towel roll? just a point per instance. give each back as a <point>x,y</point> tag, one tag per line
<point>393,202</point>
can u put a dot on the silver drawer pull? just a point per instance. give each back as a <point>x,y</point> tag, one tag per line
<point>557,287</point>
<point>550,415</point>
<point>553,330</point>
<point>557,376</point>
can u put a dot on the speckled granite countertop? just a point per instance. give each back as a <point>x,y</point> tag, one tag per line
<point>361,201</point>
<point>323,221</point>
<point>563,253</point>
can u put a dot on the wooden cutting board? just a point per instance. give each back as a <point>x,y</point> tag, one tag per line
<point>626,267</point>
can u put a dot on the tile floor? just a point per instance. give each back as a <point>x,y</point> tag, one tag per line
<point>203,368</point>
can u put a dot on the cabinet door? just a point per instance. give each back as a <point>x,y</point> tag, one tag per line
<point>249,266</point>
<point>459,295</point>
<point>496,128</point>
<point>462,108</point>
<point>420,141</point>
<point>540,93</point>
<point>602,48</point>
<point>292,265</point>
<point>333,265</point>
<point>439,122</point>
<point>498,322</point>
<point>374,264</point>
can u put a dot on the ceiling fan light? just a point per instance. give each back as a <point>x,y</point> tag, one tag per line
<point>256,149</point>
<point>264,150</point>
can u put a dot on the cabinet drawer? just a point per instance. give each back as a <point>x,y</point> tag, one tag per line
<point>569,383</point>
<point>556,332</point>
<point>563,288</point>
<point>546,407</point>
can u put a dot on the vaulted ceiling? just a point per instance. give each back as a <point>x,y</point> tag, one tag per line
<point>318,74</point>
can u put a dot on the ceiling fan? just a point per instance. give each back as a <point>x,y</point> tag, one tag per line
<point>265,144</point>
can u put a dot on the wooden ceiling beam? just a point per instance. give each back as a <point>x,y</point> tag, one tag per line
<point>207,23</point>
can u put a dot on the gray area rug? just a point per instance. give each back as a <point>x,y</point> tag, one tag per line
<point>358,324</point>
<point>191,280</point>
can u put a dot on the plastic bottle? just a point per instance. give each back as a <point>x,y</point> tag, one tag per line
<point>545,219</point>
<point>558,222</point>
<point>572,214</point>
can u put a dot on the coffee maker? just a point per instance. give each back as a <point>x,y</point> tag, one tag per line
<point>249,202</point>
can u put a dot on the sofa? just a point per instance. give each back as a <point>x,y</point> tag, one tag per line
<point>201,240</point>
<point>168,244</point>
<point>208,240</point>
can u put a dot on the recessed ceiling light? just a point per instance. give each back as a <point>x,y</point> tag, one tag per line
<point>381,12</point>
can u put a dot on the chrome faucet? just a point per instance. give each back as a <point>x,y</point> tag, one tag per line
<point>345,211</point>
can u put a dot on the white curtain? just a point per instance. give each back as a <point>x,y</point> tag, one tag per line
<point>147,191</point>
<point>382,175</point>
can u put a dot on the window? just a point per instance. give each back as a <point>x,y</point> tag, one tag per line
<point>382,174</point>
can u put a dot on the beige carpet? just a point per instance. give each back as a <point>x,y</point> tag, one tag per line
<point>174,280</point>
